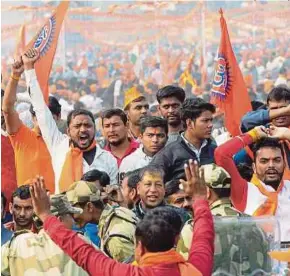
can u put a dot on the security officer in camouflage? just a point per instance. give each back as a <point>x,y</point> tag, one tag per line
<point>240,246</point>
<point>116,224</point>
<point>29,253</point>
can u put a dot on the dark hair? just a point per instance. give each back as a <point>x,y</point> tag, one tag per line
<point>75,113</point>
<point>192,108</point>
<point>54,106</point>
<point>23,192</point>
<point>2,93</point>
<point>257,105</point>
<point>172,187</point>
<point>159,228</point>
<point>153,121</point>
<point>279,93</point>
<point>109,113</point>
<point>133,178</point>
<point>151,169</point>
<point>222,192</point>
<point>170,91</point>
<point>94,175</point>
<point>3,199</point>
<point>99,204</point>
<point>246,171</point>
<point>267,143</point>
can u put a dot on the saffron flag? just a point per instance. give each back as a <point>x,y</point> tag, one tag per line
<point>46,42</point>
<point>20,46</point>
<point>229,91</point>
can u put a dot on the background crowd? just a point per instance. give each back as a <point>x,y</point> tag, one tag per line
<point>143,176</point>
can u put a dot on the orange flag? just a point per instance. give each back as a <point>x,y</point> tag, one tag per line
<point>229,91</point>
<point>20,47</point>
<point>45,42</point>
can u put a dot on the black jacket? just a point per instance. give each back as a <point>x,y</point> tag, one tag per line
<point>173,157</point>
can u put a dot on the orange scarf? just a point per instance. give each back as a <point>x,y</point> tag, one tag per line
<point>72,169</point>
<point>270,205</point>
<point>169,257</point>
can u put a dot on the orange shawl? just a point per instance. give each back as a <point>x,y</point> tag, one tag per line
<point>72,169</point>
<point>270,205</point>
<point>169,257</point>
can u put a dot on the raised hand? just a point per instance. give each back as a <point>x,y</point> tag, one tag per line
<point>29,58</point>
<point>282,133</point>
<point>194,185</point>
<point>261,131</point>
<point>40,198</point>
<point>17,67</point>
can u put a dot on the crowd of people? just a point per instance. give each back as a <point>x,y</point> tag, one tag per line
<point>139,178</point>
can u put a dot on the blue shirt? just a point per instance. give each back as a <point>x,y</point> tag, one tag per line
<point>5,234</point>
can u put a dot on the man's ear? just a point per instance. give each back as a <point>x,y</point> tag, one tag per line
<point>254,167</point>
<point>138,189</point>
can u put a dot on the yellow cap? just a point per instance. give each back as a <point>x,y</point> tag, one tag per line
<point>131,95</point>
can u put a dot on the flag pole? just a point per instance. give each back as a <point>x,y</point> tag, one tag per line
<point>203,43</point>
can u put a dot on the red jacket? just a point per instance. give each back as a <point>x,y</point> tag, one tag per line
<point>96,263</point>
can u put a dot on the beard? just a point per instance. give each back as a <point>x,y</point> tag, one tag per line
<point>118,142</point>
<point>274,183</point>
<point>175,123</point>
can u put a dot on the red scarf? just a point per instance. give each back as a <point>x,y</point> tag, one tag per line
<point>169,257</point>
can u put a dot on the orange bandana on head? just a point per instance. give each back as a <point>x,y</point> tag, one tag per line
<point>270,205</point>
<point>72,169</point>
<point>169,257</point>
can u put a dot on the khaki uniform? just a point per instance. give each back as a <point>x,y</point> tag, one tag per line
<point>116,225</point>
<point>117,231</point>
<point>240,245</point>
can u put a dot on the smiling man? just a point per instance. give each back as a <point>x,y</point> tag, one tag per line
<point>151,190</point>
<point>194,143</point>
<point>75,153</point>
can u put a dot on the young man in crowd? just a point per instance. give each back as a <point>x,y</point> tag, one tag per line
<point>194,143</point>
<point>31,154</point>
<point>37,254</point>
<point>278,114</point>
<point>267,193</point>
<point>170,99</point>
<point>21,209</point>
<point>115,130</point>
<point>156,236</point>
<point>136,108</point>
<point>175,196</point>
<point>73,154</point>
<point>153,137</point>
<point>116,225</point>
<point>129,189</point>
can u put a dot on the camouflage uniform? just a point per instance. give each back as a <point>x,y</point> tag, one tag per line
<point>29,254</point>
<point>116,225</point>
<point>240,245</point>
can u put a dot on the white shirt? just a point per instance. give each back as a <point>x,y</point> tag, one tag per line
<point>58,143</point>
<point>136,160</point>
<point>256,199</point>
